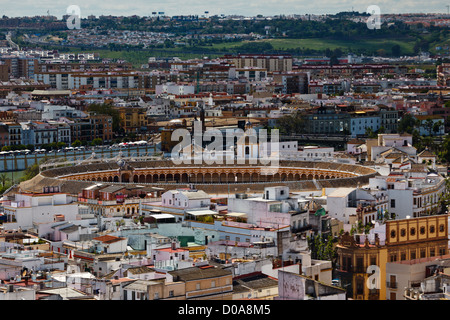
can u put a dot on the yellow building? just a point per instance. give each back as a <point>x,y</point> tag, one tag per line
<point>205,283</point>
<point>166,134</point>
<point>133,118</point>
<point>406,239</point>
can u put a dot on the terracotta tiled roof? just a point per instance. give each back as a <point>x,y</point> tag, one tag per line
<point>108,239</point>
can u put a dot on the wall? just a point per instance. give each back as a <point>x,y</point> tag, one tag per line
<point>403,203</point>
<point>290,286</point>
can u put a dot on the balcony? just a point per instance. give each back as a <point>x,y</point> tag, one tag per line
<point>391,285</point>
<point>374,294</point>
<point>359,269</point>
<point>302,229</point>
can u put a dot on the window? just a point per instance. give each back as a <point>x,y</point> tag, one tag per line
<point>171,293</point>
<point>422,230</point>
<point>360,286</point>
<point>441,228</point>
<point>403,232</point>
<point>431,229</point>
<point>156,296</point>
<point>393,233</point>
<point>423,253</point>
<point>197,286</point>
<point>213,284</point>
<point>412,231</point>
<point>392,203</point>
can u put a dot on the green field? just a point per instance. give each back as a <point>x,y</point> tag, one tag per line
<point>365,46</point>
<point>139,57</point>
<point>322,44</point>
<point>16,175</point>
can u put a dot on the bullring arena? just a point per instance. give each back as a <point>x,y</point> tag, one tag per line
<point>298,175</point>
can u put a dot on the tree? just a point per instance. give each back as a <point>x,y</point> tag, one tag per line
<point>444,151</point>
<point>370,133</point>
<point>4,179</point>
<point>76,143</point>
<point>97,141</point>
<point>30,172</point>
<point>291,124</point>
<point>321,248</point>
<point>437,126</point>
<point>396,50</point>
<point>428,124</point>
<point>407,124</point>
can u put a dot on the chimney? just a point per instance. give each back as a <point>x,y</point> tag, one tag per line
<point>174,245</point>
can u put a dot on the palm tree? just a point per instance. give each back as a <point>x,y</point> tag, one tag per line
<point>4,179</point>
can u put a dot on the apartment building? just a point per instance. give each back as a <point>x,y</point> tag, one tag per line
<point>20,66</point>
<point>39,133</point>
<point>327,120</point>
<point>15,133</point>
<point>68,80</point>
<point>133,118</point>
<point>405,277</point>
<point>205,282</point>
<point>412,192</point>
<point>292,82</point>
<point>27,209</point>
<point>443,74</point>
<point>363,258</point>
<point>367,206</point>
<point>266,61</point>
<point>153,290</point>
<point>180,204</point>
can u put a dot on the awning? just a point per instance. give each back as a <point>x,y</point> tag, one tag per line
<point>201,212</point>
<point>236,214</point>
<point>162,216</point>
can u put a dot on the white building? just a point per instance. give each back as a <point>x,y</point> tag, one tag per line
<point>293,286</point>
<point>110,244</point>
<point>345,202</point>
<point>411,194</point>
<point>174,89</point>
<point>362,122</point>
<point>270,209</point>
<point>12,292</point>
<point>28,209</point>
<point>54,112</point>
<point>178,203</point>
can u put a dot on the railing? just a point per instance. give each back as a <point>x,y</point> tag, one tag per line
<point>16,204</point>
<point>359,269</point>
<point>374,294</point>
<point>391,285</point>
<point>301,229</point>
